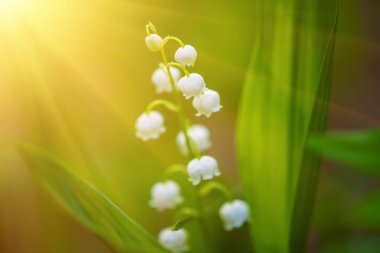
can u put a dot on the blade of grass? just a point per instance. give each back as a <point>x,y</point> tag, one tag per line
<point>87,204</point>
<point>283,100</point>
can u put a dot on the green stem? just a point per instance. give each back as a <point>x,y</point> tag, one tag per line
<point>217,187</point>
<point>175,64</point>
<point>181,113</point>
<point>167,38</point>
<point>169,105</point>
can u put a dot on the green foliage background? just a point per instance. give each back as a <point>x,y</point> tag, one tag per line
<point>74,76</point>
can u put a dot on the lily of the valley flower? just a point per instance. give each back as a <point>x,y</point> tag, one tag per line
<point>175,241</point>
<point>150,126</point>
<point>186,55</point>
<point>207,103</point>
<point>161,80</point>
<point>199,134</point>
<point>192,85</point>
<point>154,42</point>
<point>165,195</point>
<point>234,214</point>
<point>204,168</point>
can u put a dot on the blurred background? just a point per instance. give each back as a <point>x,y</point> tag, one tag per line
<point>74,76</point>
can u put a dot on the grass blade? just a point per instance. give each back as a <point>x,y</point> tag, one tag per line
<point>284,99</point>
<point>87,204</point>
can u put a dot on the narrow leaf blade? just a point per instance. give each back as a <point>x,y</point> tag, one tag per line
<point>87,204</point>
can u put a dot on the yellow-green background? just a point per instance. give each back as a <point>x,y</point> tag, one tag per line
<point>74,75</point>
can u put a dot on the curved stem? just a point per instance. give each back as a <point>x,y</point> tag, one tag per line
<point>169,105</point>
<point>205,190</point>
<point>175,64</point>
<point>167,38</point>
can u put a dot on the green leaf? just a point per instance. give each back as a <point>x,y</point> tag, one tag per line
<point>359,149</point>
<point>87,204</point>
<point>284,100</point>
<point>366,212</point>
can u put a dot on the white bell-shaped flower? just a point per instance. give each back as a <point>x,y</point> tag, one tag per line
<point>165,195</point>
<point>175,241</point>
<point>234,214</point>
<point>186,55</point>
<point>150,126</point>
<point>192,85</point>
<point>199,134</point>
<point>154,42</point>
<point>207,103</point>
<point>204,168</point>
<point>160,79</point>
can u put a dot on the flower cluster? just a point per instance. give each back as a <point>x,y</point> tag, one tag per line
<point>173,77</point>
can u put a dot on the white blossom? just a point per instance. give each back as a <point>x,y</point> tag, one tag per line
<point>161,80</point>
<point>192,85</point>
<point>150,126</point>
<point>175,241</point>
<point>207,103</point>
<point>234,214</point>
<point>204,168</point>
<point>165,195</point>
<point>154,42</point>
<point>199,134</point>
<point>186,55</point>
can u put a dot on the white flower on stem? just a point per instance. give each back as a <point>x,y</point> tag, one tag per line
<point>207,103</point>
<point>234,214</point>
<point>175,241</point>
<point>154,42</point>
<point>204,168</point>
<point>186,55</point>
<point>160,79</point>
<point>199,134</point>
<point>192,85</point>
<point>150,126</point>
<point>165,195</point>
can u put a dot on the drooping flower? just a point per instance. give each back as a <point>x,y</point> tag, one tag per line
<point>186,55</point>
<point>207,103</point>
<point>199,134</point>
<point>175,241</point>
<point>204,168</point>
<point>154,42</point>
<point>192,85</point>
<point>160,79</point>
<point>234,214</point>
<point>150,126</point>
<point>165,195</point>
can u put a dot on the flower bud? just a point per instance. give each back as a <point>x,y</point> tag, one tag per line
<point>199,134</point>
<point>234,214</point>
<point>186,55</point>
<point>154,42</point>
<point>192,85</point>
<point>160,79</point>
<point>204,168</point>
<point>165,195</point>
<point>207,103</point>
<point>175,241</point>
<point>150,126</point>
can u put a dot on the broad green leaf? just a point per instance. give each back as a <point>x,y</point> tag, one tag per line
<point>284,100</point>
<point>359,149</point>
<point>87,204</point>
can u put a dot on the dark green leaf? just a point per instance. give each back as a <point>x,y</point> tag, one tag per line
<point>359,149</point>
